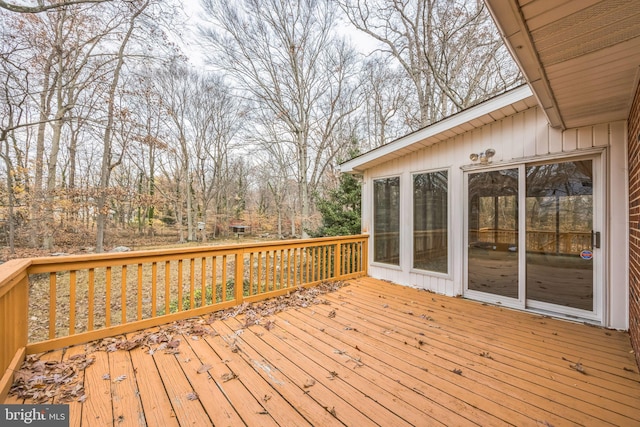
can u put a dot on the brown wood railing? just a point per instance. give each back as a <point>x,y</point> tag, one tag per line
<point>53,302</point>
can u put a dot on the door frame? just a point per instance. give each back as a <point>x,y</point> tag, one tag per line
<point>598,157</point>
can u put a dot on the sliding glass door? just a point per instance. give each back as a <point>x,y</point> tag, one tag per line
<point>533,237</point>
<point>560,243</point>
<point>493,232</point>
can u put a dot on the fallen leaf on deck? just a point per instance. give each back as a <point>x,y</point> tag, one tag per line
<point>578,367</point>
<point>204,368</point>
<point>457,371</point>
<point>309,383</point>
<point>120,378</point>
<point>192,396</point>
<point>228,376</point>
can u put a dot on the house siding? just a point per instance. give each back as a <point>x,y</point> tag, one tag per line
<point>634,224</point>
<point>519,137</point>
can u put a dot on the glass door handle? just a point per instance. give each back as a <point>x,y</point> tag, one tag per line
<point>595,239</point>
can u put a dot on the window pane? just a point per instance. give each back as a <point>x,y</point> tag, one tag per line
<point>430,214</point>
<point>386,220</point>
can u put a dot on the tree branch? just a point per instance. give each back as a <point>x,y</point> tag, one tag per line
<point>43,8</point>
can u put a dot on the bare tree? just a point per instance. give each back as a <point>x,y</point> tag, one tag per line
<point>41,7</point>
<point>292,65</point>
<point>108,163</point>
<point>449,49</point>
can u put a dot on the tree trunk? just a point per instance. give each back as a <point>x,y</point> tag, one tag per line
<point>106,166</point>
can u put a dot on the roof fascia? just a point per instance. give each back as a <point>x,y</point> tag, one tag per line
<point>508,17</point>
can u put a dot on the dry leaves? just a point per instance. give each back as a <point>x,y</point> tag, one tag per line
<point>298,298</point>
<point>41,381</point>
<point>204,368</point>
<point>228,376</point>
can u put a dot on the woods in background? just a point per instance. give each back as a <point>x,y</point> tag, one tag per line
<point>107,126</point>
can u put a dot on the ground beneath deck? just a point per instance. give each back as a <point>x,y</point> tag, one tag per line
<point>374,354</point>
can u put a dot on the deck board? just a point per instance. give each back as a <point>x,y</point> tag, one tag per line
<point>375,354</point>
<point>153,396</point>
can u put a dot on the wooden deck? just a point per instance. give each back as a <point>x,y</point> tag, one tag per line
<point>378,354</point>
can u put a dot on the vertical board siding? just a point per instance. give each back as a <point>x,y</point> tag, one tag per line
<point>522,135</point>
<point>634,224</point>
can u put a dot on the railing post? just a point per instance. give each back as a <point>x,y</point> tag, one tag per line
<point>364,255</point>
<point>337,261</point>
<point>239,276</point>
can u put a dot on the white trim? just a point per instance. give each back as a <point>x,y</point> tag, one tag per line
<point>532,160</point>
<point>463,117</point>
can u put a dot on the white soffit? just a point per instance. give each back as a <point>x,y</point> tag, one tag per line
<point>581,57</point>
<point>494,109</point>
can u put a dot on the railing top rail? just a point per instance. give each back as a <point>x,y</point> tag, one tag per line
<point>55,263</point>
<point>10,271</point>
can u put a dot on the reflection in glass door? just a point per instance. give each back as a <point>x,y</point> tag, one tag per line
<point>532,237</point>
<point>493,232</point>
<point>559,212</point>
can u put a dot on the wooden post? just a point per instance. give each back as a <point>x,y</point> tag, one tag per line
<point>238,279</point>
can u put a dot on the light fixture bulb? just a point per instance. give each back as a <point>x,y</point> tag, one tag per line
<point>474,157</point>
<point>490,152</point>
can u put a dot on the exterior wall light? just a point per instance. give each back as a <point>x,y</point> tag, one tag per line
<point>484,156</point>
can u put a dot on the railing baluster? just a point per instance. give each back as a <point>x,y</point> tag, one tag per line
<point>295,267</point>
<point>123,295</point>
<point>52,305</point>
<point>274,271</point>
<point>224,277</point>
<point>154,288</point>
<point>192,285</point>
<point>337,260</point>
<point>107,299</point>
<point>167,287</point>
<point>288,268</point>
<point>215,294</point>
<point>72,302</point>
<point>203,280</point>
<point>251,269</point>
<point>180,281</point>
<point>282,279</point>
<point>139,291</point>
<point>266,271</point>
<point>92,280</point>
<point>258,281</point>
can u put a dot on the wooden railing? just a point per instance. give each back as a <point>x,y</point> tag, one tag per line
<point>53,302</point>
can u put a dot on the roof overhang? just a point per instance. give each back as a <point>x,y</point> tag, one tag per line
<point>514,101</point>
<point>581,57</point>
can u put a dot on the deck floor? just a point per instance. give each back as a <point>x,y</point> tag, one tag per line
<point>378,354</point>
